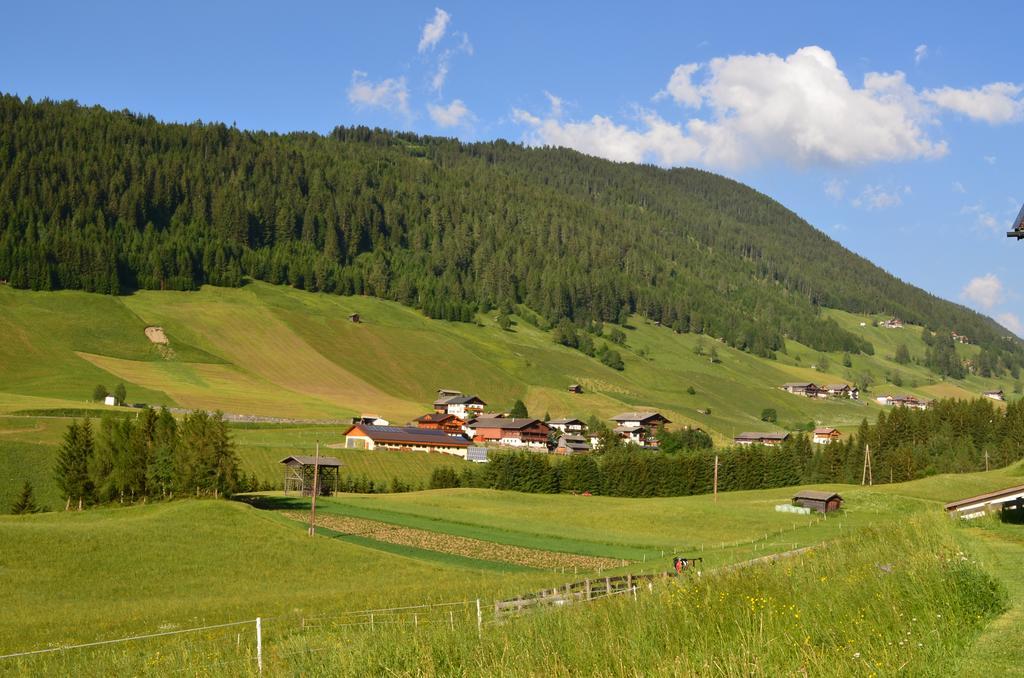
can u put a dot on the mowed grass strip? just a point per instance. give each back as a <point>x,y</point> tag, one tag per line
<point>463,546</point>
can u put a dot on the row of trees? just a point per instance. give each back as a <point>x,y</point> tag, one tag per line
<point>110,201</point>
<point>954,436</point>
<point>150,456</point>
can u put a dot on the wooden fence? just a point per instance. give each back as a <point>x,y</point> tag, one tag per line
<point>585,590</point>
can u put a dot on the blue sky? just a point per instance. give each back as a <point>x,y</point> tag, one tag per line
<point>895,130</point>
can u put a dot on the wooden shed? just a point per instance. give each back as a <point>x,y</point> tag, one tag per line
<point>299,471</point>
<point>354,317</point>
<point>816,500</point>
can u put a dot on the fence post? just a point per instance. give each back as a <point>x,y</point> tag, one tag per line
<point>479,620</point>
<point>259,645</point>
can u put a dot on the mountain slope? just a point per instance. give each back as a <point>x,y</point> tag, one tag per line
<point>274,351</point>
<point>111,202</point>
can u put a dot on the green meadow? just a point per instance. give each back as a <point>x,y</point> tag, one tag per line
<point>274,351</point>
<point>889,567</point>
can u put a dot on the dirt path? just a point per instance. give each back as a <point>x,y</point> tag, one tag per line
<point>461,546</point>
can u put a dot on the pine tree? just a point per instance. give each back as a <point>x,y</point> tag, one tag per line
<point>99,393</point>
<point>73,459</point>
<point>120,393</point>
<point>519,410</point>
<point>25,502</point>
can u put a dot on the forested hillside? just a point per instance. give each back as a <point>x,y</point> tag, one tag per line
<point>110,202</point>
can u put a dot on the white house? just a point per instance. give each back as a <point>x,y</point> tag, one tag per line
<point>462,406</point>
<point>568,425</point>
<point>995,395</point>
<point>825,435</point>
<point>110,400</point>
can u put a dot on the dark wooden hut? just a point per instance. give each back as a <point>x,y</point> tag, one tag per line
<point>299,471</point>
<point>822,502</point>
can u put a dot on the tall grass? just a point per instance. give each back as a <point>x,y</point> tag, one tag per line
<point>906,600</point>
<point>902,600</point>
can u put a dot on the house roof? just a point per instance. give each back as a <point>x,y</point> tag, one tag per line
<point>953,505</point>
<point>435,417</point>
<point>837,387</point>
<point>798,384</point>
<point>755,435</point>
<point>507,423</point>
<point>999,392</point>
<point>817,495</point>
<point>627,429</point>
<point>459,400</point>
<point>408,434</point>
<point>306,460</point>
<point>639,416</point>
<point>574,442</point>
<point>565,422</point>
<point>825,430</point>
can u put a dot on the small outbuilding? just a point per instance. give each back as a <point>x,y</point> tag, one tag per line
<point>1010,499</point>
<point>354,317</point>
<point>575,388</point>
<point>816,500</point>
<point>299,471</point>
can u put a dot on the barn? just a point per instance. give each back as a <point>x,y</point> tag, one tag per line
<point>301,470</point>
<point>816,500</point>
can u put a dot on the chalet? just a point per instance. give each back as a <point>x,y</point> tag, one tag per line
<point>371,419</point>
<point>512,432</point>
<point>637,435</point>
<point>447,393</point>
<point>639,427</point>
<point>804,388</point>
<point>572,444</point>
<point>995,395</point>
<point>1010,499</point>
<point>760,438</point>
<point>892,324</point>
<point>575,388</point>
<point>960,338</point>
<point>462,406</point>
<point>842,391</point>
<point>822,502</point>
<point>403,438</point>
<point>448,423</point>
<point>825,435</point>
<point>568,425</point>
<point>903,401</point>
<point>354,317</point>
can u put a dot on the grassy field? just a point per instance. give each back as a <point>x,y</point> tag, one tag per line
<point>274,351</point>
<point>106,573</point>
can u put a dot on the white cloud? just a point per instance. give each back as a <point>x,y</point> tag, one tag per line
<point>959,187</point>
<point>800,109</point>
<point>986,291</point>
<point>835,189</point>
<point>1011,322</point>
<point>556,105</point>
<point>434,29</point>
<point>681,88</point>
<point>983,219</point>
<point>444,62</point>
<point>451,115</point>
<point>658,141</point>
<point>920,52</point>
<point>877,197</point>
<point>391,93</point>
<point>437,82</point>
<point>995,103</point>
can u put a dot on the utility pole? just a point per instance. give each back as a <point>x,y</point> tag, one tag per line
<point>986,460</point>
<point>866,477</point>
<point>316,491</point>
<point>716,478</point>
